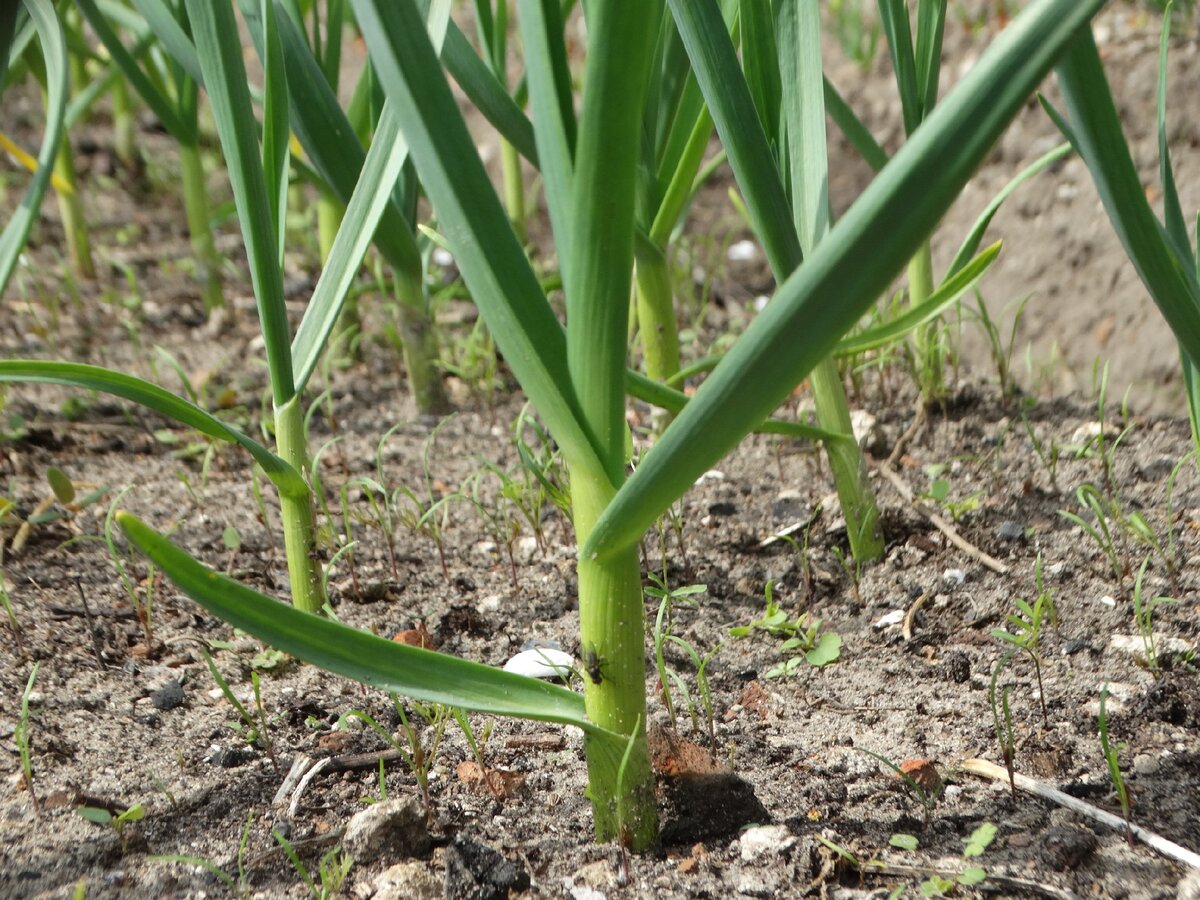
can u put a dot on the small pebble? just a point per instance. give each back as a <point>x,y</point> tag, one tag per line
<point>953,577</point>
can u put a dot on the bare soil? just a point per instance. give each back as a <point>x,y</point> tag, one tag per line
<point>118,720</point>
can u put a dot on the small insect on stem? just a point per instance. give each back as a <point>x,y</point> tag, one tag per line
<point>592,664</point>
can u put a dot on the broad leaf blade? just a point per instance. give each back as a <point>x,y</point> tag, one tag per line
<point>375,661</point>
<point>489,96</point>
<point>897,28</point>
<point>142,392</point>
<point>799,28</point>
<point>848,270</point>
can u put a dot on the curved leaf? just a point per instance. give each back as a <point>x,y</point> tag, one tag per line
<point>145,393</point>
<point>422,674</point>
<point>949,291</point>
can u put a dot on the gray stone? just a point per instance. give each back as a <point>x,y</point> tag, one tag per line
<point>167,695</point>
<point>395,827</point>
<point>1010,531</point>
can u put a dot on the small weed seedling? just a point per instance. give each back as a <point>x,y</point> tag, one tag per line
<point>254,728</point>
<point>1002,721</point>
<point>143,607</point>
<point>1048,452</point>
<point>940,493</point>
<point>416,755</point>
<point>63,502</point>
<point>668,599</point>
<point>332,869</point>
<point>926,794</point>
<point>21,736</point>
<point>118,822</point>
<point>1091,501</point>
<point>802,635</point>
<point>940,884</point>
<point>1143,616</point>
<point>1027,629</point>
<point>239,887</point>
<point>10,613</point>
<point>1114,765</point>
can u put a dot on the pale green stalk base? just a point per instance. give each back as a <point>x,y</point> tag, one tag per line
<point>304,572</point>
<point>79,246</point>
<point>514,188</point>
<point>419,340</point>
<point>195,204</point>
<point>930,361</point>
<point>612,627</point>
<point>847,463</point>
<point>656,313</point>
<point>124,125</point>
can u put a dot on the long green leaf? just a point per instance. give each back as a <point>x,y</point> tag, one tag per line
<point>1095,130</point>
<point>375,661</point>
<point>759,60</point>
<point>1172,210</point>
<point>159,103</point>
<point>220,52</point>
<point>715,63</point>
<point>489,96</point>
<point>799,28</point>
<point>276,129</point>
<point>161,19</point>
<point>144,393</point>
<point>621,40</point>
<point>54,52</point>
<point>975,236</point>
<point>847,271</point>
<point>548,78</point>
<point>953,287</point>
<point>470,215</point>
<point>329,140</point>
<point>931,24</point>
<point>384,162</point>
<point>897,28</point>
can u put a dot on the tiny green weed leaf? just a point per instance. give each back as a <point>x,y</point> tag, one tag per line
<point>904,841</point>
<point>60,482</point>
<point>972,876</point>
<point>230,538</point>
<point>980,839</point>
<point>827,650</point>
<point>936,886</point>
<point>96,814</point>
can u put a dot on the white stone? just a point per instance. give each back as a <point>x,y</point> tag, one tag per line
<point>742,251</point>
<point>541,662</point>
<point>890,620</point>
<point>763,839</point>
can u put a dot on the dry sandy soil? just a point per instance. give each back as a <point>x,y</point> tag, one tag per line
<point>118,720</point>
